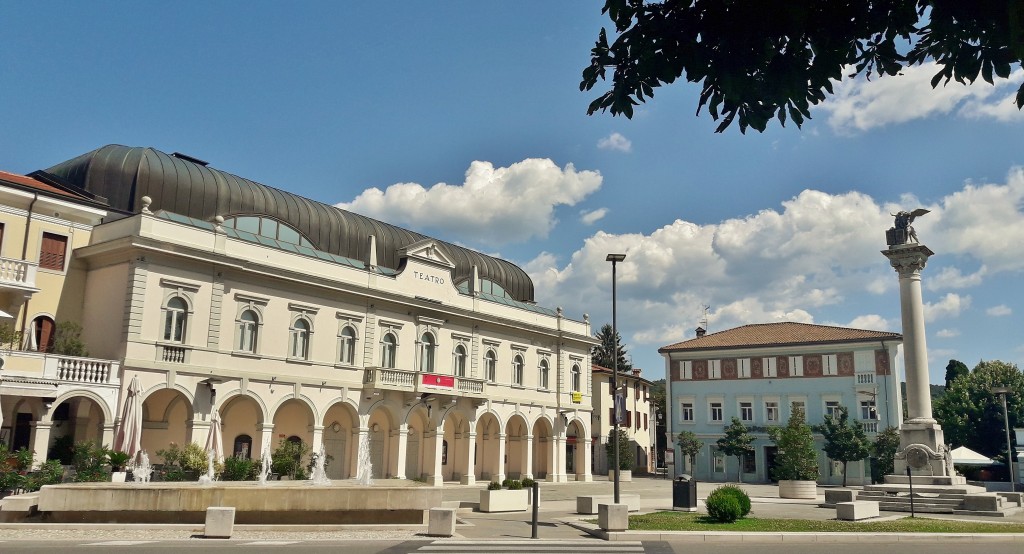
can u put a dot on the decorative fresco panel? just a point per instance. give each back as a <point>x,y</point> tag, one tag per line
<point>812,365</point>
<point>729,368</point>
<point>783,366</point>
<point>700,370</point>
<point>756,369</point>
<point>881,362</point>
<point>845,360</point>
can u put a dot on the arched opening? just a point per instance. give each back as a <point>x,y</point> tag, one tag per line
<point>516,449</point>
<point>543,452</point>
<point>488,463</point>
<point>165,417</point>
<point>415,466</point>
<point>44,332</point>
<point>341,441</point>
<point>76,419</point>
<point>241,416</point>
<point>293,418</point>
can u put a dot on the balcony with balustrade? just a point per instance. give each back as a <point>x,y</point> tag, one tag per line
<point>18,275</point>
<point>29,370</point>
<point>379,378</point>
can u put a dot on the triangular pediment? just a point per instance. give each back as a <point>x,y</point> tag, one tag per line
<point>427,250</point>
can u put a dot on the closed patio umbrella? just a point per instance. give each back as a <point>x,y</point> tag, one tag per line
<point>129,431</point>
<point>215,440</point>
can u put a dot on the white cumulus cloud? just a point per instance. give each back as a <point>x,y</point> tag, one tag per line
<point>999,311</point>
<point>860,105</point>
<point>947,333</point>
<point>615,141</point>
<point>947,307</point>
<point>495,205</point>
<point>591,217</point>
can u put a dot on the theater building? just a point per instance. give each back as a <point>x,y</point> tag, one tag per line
<point>761,373</point>
<point>295,320</point>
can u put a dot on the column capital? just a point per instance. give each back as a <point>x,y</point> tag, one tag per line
<point>908,261</point>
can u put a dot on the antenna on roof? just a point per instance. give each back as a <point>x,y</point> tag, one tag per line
<point>188,158</point>
<point>704,318</point>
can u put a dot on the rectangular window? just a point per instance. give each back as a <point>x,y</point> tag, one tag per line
<point>796,366</point>
<point>51,254</point>
<point>719,460</point>
<point>645,422</point>
<point>829,365</point>
<point>629,418</point>
<point>686,370</point>
<point>771,412</point>
<point>747,411</point>
<point>867,410</point>
<point>715,369</point>
<point>743,367</point>
<point>832,408</point>
<point>716,411</point>
<point>770,367</point>
<point>686,412</point>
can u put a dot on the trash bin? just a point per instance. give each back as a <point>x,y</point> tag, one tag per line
<point>684,493</point>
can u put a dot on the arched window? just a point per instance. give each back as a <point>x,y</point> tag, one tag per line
<point>44,331</point>
<point>248,331</point>
<point>460,361</point>
<point>299,339</point>
<point>427,347</point>
<point>347,350</point>
<point>576,378</point>
<point>491,366</point>
<point>542,376</point>
<point>175,319</point>
<point>268,227</point>
<point>388,349</point>
<point>517,370</point>
<point>243,447</point>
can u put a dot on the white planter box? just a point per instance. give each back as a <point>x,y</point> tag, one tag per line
<point>504,501</point>
<point>807,490</point>
<point>625,475</point>
<point>118,476</point>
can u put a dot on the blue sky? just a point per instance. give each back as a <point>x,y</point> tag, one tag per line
<point>464,120</point>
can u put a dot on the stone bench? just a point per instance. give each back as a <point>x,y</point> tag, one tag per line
<point>983,502</point>
<point>589,504</point>
<point>1015,498</point>
<point>220,522</point>
<point>441,522</point>
<point>835,496</point>
<point>856,510</point>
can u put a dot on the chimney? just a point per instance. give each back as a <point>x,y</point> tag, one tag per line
<point>701,332</point>
<point>636,372</point>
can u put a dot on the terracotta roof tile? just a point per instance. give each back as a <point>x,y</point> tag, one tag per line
<point>771,334</point>
<point>37,185</point>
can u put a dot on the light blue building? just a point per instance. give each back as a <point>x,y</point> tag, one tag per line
<point>759,373</point>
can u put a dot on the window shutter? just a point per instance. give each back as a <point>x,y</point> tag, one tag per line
<point>51,253</point>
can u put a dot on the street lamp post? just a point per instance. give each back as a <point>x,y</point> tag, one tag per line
<point>614,259</point>
<point>1002,392</point>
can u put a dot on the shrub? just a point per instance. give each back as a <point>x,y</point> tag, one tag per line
<point>626,452</point>
<point>506,483</point>
<point>515,485</point>
<point>90,460</point>
<point>51,472</point>
<point>287,459</point>
<point>723,506</point>
<point>494,486</point>
<point>740,495</point>
<point>194,458</point>
<point>528,483</point>
<point>63,449</point>
<point>240,469</point>
<point>118,459</point>
<point>68,340</point>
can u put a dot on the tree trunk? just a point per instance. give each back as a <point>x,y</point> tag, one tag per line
<point>844,473</point>
<point>739,470</point>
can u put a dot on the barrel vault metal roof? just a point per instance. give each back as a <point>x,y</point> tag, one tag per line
<point>125,174</point>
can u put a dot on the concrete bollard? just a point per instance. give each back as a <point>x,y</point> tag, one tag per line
<point>441,522</point>
<point>220,522</point>
<point>613,517</point>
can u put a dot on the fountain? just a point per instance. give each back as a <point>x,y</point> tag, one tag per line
<point>141,471</point>
<point>265,466</point>
<point>319,474</point>
<point>365,475</point>
<point>211,474</point>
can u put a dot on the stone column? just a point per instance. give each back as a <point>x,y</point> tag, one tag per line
<point>40,440</point>
<point>436,470</point>
<point>403,446</point>
<point>108,435</point>
<point>588,473</point>
<point>318,438</point>
<point>528,455</point>
<point>266,439</point>
<point>499,464</point>
<point>469,478</point>
<point>922,446</point>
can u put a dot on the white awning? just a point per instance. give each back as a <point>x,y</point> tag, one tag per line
<point>5,315</point>
<point>966,456</point>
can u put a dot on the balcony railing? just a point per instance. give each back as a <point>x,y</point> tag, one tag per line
<point>865,378</point>
<point>73,369</point>
<point>173,354</point>
<point>414,381</point>
<point>869,426</point>
<point>18,273</point>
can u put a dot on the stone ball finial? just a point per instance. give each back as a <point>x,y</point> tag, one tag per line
<point>218,223</point>
<point>586,318</point>
<point>558,310</point>
<point>146,202</point>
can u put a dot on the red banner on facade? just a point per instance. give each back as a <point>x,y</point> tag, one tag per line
<point>443,381</point>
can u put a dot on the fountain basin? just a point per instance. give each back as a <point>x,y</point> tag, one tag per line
<point>276,502</point>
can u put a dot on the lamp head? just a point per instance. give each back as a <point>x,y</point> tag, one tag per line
<point>615,258</point>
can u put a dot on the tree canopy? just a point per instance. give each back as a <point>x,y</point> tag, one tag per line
<point>736,442</point>
<point>775,58</point>
<point>972,416</point>
<point>611,345</point>
<point>844,441</point>
<point>797,457</point>
<point>689,446</point>
<point>954,369</point>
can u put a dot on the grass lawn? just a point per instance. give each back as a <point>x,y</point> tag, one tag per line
<point>682,521</point>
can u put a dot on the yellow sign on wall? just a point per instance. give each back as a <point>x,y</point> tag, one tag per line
<point>577,397</point>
